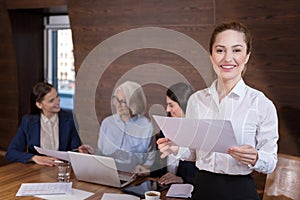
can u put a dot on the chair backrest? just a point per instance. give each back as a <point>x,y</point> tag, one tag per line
<point>284,182</point>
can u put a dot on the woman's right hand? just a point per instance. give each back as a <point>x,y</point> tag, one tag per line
<point>85,148</point>
<point>166,147</point>
<point>169,178</point>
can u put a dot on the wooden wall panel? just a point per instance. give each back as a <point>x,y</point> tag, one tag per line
<point>93,22</point>
<point>258,12</point>
<point>274,66</point>
<point>27,32</point>
<point>8,81</point>
<point>21,60</point>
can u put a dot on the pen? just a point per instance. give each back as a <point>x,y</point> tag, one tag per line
<point>133,176</point>
<point>84,149</point>
<point>58,161</point>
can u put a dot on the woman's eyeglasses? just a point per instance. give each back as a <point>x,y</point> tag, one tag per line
<point>120,102</point>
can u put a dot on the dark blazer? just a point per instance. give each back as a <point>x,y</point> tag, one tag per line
<point>21,148</point>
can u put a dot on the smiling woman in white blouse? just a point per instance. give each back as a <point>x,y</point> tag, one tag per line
<point>227,176</point>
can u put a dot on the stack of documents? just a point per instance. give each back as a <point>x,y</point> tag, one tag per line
<point>207,135</point>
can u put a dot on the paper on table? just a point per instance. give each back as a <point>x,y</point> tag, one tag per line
<point>75,195</point>
<point>30,189</point>
<point>180,190</point>
<point>111,196</point>
<point>207,135</point>
<point>57,154</point>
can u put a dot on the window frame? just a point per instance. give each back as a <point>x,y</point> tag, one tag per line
<point>52,24</point>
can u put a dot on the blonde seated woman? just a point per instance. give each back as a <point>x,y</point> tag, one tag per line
<point>127,135</point>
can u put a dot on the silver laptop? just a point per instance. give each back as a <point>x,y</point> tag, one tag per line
<point>98,169</point>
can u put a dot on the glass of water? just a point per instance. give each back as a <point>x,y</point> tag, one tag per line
<point>64,171</point>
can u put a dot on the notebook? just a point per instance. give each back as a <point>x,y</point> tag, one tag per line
<point>180,190</point>
<point>98,169</point>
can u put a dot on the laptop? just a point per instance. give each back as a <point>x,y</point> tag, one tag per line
<point>98,169</point>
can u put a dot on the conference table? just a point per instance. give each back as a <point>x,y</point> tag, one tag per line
<point>14,174</point>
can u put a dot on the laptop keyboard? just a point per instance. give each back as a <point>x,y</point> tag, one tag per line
<point>125,177</point>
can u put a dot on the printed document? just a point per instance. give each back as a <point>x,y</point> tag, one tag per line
<point>76,194</point>
<point>63,155</point>
<point>207,135</point>
<point>30,189</point>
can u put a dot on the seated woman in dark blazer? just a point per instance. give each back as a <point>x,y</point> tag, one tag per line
<point>46,126</point>
<point>178,171</point>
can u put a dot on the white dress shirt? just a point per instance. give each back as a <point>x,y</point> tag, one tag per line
<point>254,121</point>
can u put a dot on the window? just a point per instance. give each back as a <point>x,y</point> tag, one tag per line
<point>59,59</point>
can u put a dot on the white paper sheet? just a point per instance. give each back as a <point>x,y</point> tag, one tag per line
<point>63,155</point>
<point>111,196</point>
<point>31,189</point>
<point>75,195</point>
<point>207,135</point>
<point>180,190</point>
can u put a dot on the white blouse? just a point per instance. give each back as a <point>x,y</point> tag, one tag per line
<point>49,132</point>
<point>254,121</point>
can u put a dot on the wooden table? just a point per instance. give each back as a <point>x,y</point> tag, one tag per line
<point>13,175</point>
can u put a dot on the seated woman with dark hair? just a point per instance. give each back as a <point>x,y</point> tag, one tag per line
<point>46,126</point>
<point>179,171</point>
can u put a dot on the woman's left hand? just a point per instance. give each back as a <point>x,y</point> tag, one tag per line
<point>245,154</point>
